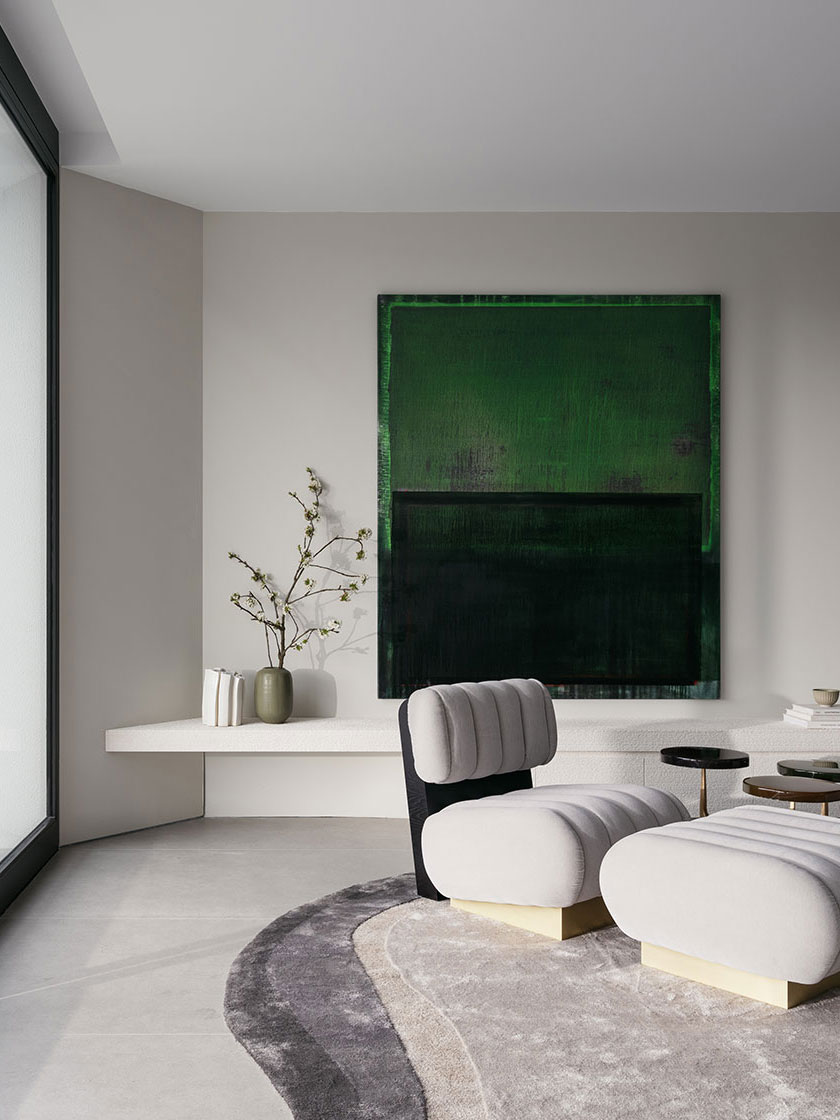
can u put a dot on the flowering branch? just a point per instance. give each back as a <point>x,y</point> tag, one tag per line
<point>284,604</point>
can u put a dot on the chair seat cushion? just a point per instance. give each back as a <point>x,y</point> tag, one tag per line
<point>537,847</point>
<point>755,888</point>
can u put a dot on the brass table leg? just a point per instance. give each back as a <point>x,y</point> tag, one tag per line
<point>825,809</point>
<point>703,810</point>
<point>793,804</point>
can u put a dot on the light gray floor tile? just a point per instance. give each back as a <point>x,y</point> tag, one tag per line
<point>113,963</point>
<point>269,834</point>
<point>69,976</point>
<point>88,881</point>
<point>147,1077</point>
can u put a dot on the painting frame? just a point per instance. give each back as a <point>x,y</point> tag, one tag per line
<point>707,686</point>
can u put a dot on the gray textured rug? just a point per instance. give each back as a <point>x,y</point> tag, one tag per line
<point>303,1006</point>
<point>373,1004</point>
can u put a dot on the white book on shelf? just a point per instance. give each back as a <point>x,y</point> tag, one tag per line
<point>225,698</point>
<point>809,711</point>
<point>237,699</point>
<point>810,724</point>
<point>210,697</point>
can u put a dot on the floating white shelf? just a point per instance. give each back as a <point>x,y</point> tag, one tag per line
<point>757,735</point>
<point>297,736</point>
<point>381,736</point>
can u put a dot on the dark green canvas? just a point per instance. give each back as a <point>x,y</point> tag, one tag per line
<point>549,493</point>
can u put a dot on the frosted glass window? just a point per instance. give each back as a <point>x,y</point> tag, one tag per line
<point>23,489</point>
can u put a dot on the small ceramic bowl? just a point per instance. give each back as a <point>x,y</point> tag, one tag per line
<point>826,697</point>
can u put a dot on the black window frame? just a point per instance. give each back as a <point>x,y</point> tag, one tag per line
<point>20,100</point>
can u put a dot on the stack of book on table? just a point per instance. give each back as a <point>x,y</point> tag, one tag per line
<point>813,715</point>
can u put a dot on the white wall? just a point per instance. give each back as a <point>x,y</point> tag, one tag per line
<point>290,379</point>
<point>130,407</point>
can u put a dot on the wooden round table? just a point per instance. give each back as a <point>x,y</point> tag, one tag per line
<point>794,790</point>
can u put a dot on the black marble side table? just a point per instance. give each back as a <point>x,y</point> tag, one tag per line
<point>828,769</point>
<point>703,759</point>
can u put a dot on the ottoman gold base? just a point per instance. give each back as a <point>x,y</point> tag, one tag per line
<point>778,993</point>
<point>559,922</point>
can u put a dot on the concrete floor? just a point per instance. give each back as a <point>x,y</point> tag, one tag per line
<point>113,963</point>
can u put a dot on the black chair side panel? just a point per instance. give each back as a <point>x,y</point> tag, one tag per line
<point>426,798</point>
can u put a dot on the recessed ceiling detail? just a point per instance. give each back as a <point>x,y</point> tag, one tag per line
<point>467,105</point>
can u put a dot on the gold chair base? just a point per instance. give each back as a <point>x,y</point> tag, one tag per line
<point>559,922</point>
<point>778,993</point>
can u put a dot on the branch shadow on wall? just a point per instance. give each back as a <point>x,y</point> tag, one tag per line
<point>315,688</point>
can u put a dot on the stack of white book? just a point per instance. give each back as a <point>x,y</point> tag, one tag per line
<point>813,715</point>
<point>222,698</point>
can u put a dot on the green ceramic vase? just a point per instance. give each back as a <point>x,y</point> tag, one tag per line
<point>273,695</point>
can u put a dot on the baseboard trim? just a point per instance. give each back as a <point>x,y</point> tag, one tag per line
<point>777,993</point>
<point>558,922</point>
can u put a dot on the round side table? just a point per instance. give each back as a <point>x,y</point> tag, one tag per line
<point>794,790</point>
<point>826,768</point>
<point>703,759</point>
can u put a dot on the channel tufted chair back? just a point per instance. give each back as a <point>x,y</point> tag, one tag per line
<point>461,742</point>
<point>467,731</point>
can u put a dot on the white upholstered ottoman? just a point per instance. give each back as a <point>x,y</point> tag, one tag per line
<point>747,900</point>
<point>523,856</point>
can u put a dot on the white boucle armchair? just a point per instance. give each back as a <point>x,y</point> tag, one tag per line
<point>483,836</point>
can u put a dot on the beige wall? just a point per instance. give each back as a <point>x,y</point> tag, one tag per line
<point>130,500</point>
<point>290,380</point>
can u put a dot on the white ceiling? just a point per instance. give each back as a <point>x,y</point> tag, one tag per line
<point>446,105</point>
<point>38,37</point>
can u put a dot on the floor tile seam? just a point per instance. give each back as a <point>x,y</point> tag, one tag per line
<point>12,919</point>
<point>60,1036</point>
<point>127,850</point>
<point>264,916</point>
<point>127,969</point>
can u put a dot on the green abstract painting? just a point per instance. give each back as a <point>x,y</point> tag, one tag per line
<point>549,493</point>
